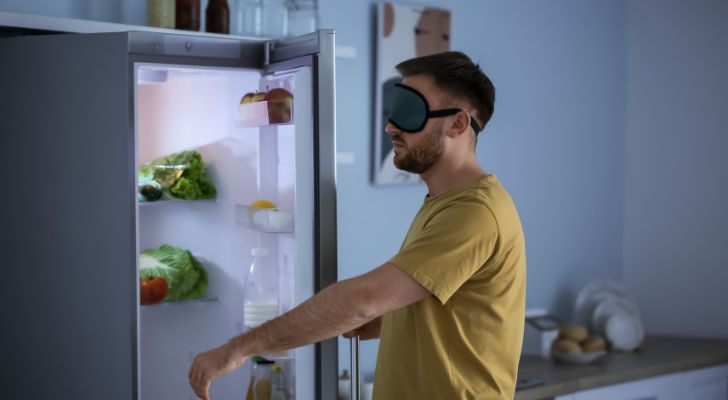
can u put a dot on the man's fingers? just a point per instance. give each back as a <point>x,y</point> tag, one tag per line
<point>199,381</point>
<point>202,389</point>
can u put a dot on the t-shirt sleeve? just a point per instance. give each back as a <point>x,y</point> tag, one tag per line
<point>452,246</point>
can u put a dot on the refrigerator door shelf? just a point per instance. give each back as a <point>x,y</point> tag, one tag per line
<point>165,304</point>
<point>259,114</point>
<point>270,220</point>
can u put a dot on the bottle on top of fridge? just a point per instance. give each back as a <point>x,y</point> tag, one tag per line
<point>217,17</point>
<point>248,20</point>
<point>160,13</point>
<point>187,15</point>
<point>261,290</point>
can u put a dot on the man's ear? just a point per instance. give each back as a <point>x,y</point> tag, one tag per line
<point>459,125</point>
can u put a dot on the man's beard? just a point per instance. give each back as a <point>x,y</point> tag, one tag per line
<point>420,158</point>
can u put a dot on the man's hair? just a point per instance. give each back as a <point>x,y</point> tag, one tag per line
<point>455,73</point>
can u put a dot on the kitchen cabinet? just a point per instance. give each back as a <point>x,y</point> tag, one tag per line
<point>702,384</point>
<point>706,384</point>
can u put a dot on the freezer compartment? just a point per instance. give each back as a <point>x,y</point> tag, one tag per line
<point>182,108</point>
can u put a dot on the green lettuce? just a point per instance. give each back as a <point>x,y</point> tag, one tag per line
<point>185,276</point>
<point>180,175</point>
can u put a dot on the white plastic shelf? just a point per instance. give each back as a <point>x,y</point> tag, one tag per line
<point>269,220</point>
<point>252,115</point>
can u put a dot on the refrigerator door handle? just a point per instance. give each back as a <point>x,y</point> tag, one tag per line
<point>355,376</point>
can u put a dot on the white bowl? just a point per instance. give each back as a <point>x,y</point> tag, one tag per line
<point>610,306</point>
<point>593,293</point>
<point>624,331</point>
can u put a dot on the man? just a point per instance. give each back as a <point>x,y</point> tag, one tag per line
<point>449,307</point>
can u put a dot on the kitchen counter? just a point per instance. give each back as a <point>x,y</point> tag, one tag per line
<point>658,356</point>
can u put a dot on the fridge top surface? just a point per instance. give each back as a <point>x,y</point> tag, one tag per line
<point>38,24</point>
<point>170,42</point>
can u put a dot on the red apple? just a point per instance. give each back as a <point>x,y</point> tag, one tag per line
<point>252,97</point>
<point>280,102</point>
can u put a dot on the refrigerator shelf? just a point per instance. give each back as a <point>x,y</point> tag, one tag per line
<point>269,220</point>
<point>181,303</point>
<point>176,201</point>
<point>258,114</point>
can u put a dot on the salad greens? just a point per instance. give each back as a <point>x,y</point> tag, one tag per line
<point>177,176</point>
<point>185,276</point>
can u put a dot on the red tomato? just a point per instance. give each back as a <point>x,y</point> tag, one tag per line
<point>152,290</point>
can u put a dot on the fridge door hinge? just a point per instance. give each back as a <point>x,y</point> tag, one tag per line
<point>299,46</point>
<point>266,52</point>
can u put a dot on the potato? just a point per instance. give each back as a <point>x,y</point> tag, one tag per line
<point>576,333</point>
<point>566,346</point>
<point>593,343</point>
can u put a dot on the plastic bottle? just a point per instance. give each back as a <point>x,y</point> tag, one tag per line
<point>261,290</point>
<point>217,17</point>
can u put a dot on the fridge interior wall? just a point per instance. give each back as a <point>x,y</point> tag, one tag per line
<point>181,108</point>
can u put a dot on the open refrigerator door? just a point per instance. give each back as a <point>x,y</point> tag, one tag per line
<point>145,165</point>
<point>255,205</point>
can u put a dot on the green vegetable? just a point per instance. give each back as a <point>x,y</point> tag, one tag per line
<point>151,192</point>
<point>186,277</point>
<point>179,175</point>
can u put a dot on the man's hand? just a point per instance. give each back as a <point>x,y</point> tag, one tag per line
<point>370,330</point>
<point>210,365</point>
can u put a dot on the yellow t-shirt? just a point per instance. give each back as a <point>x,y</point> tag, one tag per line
<point>467,248</point>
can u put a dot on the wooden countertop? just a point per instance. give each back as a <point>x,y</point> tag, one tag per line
<point>658,356</point>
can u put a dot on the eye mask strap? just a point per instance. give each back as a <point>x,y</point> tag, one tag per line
<point>452,111</point>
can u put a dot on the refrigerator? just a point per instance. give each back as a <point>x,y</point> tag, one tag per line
<point>81,113</point>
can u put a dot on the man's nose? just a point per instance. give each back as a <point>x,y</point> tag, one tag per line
<point>391,130</point>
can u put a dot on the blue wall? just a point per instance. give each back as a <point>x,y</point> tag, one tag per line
<point>556,140</point>
<point>676,176</point>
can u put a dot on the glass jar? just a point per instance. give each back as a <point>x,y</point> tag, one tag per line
<point>275,18</point>
<point>187,15</point>
<point>248,18</point>
<point>217,17</point>
<point>262,378</point>
<point>302,17</point>
<point>278,379</point>
<point>160,13</point>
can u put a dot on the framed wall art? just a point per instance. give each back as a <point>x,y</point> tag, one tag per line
<point>404,31</point>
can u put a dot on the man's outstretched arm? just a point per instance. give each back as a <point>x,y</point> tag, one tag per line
<point>338,308</point>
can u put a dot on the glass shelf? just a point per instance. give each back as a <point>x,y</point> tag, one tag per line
<point>253,115</point>
<point>181,302</point>
<point>175,201</point>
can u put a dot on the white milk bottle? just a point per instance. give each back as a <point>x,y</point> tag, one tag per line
<point>261,290</point>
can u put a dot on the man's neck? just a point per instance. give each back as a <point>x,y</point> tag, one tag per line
<point>446,176</point>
